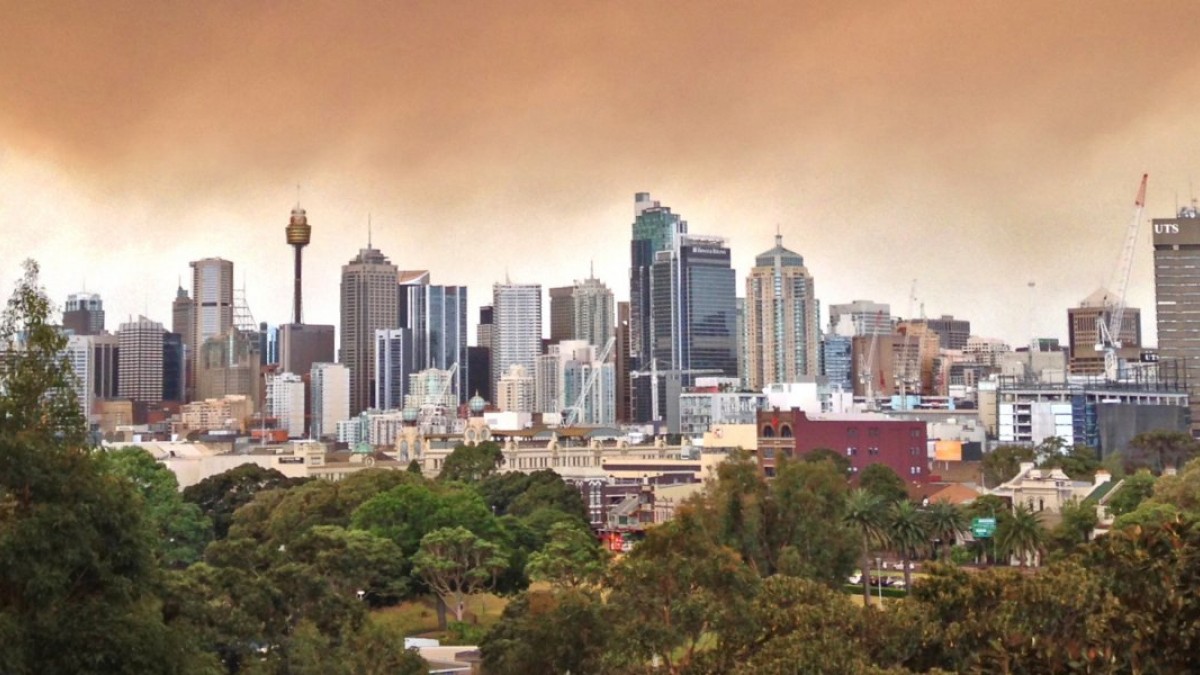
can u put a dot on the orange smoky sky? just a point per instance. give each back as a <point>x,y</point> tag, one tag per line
<point>973,146</point>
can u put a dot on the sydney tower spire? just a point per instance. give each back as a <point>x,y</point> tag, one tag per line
<point>298,234</point>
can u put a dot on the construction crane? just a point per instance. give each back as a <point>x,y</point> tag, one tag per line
<point>1110,332</point>
<point>432,409</point>
<point>576,410</point>
<point>654,374</point>
<point>868,367</point>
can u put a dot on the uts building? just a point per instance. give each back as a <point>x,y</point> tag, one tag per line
<point>1177,294</point>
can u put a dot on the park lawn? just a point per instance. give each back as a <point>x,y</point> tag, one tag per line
<point>418,618</point>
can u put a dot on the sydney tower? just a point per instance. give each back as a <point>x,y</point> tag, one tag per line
<point>298,234</point>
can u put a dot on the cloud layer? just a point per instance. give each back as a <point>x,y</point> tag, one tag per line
<point>974,147</point>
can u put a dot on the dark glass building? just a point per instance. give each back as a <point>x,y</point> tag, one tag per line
<point>693,307</point>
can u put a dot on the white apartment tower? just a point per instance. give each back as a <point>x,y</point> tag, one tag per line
<point>516,327</point>
<point>330,399</point>
<point>285,402</point>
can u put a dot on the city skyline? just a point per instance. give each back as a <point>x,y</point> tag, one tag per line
<point>975,149</point>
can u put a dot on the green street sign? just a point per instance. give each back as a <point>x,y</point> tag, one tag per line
<point>983,528</point>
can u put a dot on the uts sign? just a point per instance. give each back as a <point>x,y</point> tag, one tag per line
<point>1177,232</point>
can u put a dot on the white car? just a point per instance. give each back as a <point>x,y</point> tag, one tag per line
<point>854,579</point>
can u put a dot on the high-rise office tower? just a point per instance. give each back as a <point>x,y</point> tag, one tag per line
<point>285,402</point>
<point>330,399</point>
<point>483,331</point>
<point>303,344</point>
<point>437,317</point>
<point>692,307</point>
<point>562,313</point>
<point>84,314</point>
<point>393,360</point>
<point>1083,333</point>
<point>370,302</point>
<point>655,229</point>
<point>141,374</point>
<point>212,297</point>
<point>268,344</point>
<point>836,360</point>
<point>173,367</point>
<point>212,309</point>
<point>479,372</point>
<point>183,323</point>
<point>623,364</point>
<point>106,363</point>
<point>230,364</point>
<point>1176,276</point>
<point>583,311</point>
<point>862,317</point>
<point>782,318</point>
<point>516,328</point>
<point>952,333</point>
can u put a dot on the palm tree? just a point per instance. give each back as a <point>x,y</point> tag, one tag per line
<point>908,530</point>
<point>946,522</point>
<point>866,516</point>
<point>1022,535</point>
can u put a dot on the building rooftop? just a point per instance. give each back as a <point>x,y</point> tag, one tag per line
<point>785,257</point>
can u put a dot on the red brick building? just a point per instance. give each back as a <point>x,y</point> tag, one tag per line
<point>862,439</point>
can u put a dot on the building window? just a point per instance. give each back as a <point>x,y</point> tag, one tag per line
<point>768,431</point>
<point>850,452</point>
<point>873,451</point>
<point>785,431</point>
<point>873,432</point>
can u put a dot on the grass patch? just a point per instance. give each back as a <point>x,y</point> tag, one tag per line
<point>418,618</point>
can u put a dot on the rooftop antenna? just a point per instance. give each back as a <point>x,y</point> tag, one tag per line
<point>297,195</point>
<point>368,229</point>
<point>591,269</point>
<point>1032,301</point>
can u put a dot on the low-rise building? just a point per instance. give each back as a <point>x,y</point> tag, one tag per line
<point>864,439</point>
<point>227,412</point>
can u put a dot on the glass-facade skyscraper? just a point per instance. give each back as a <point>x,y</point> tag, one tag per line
<point>693,304</point>
<point>693,309</point>
<point>437,316</point>
<point>655,229</point>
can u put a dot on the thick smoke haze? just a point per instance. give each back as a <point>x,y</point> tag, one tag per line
<point>972,146</point>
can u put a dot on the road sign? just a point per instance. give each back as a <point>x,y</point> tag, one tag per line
<point>983,528</point>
